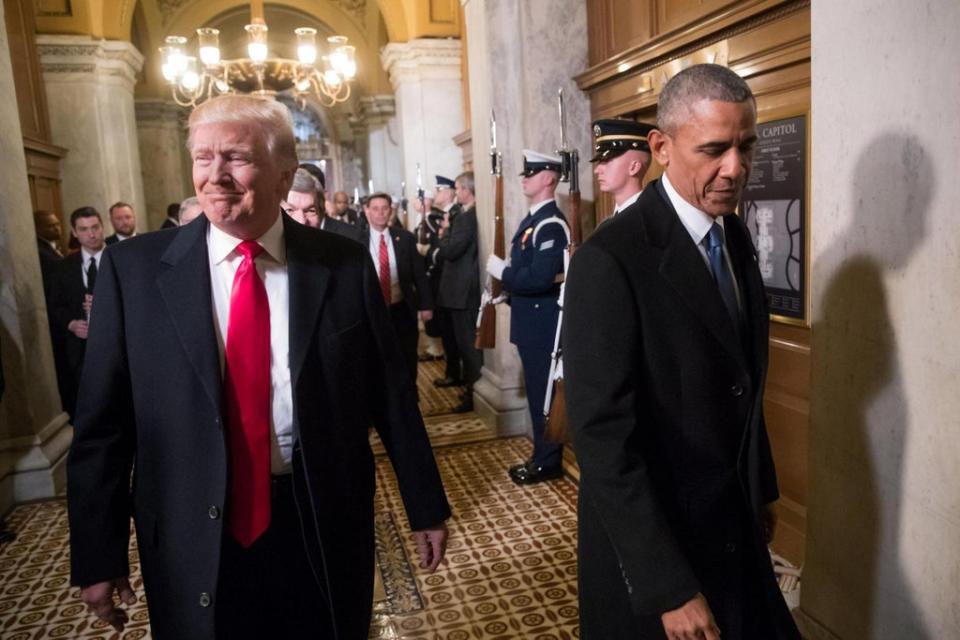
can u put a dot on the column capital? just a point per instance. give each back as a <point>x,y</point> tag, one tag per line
<point>378,109</point>
<point>69,58</point>
<point>422,59</point>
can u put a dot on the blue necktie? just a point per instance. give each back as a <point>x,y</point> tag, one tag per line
<point>721,274</point>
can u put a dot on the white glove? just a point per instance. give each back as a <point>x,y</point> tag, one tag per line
<point>495,266</point>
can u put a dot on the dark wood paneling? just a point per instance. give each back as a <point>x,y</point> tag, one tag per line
<point>31,97</point>
<point>674,14</point>
<point>617,25</point>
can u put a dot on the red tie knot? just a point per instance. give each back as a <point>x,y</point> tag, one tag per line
<point>249,249</point>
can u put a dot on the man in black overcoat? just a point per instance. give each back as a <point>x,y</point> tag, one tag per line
<point>235,365</point>
<point>665,354</point>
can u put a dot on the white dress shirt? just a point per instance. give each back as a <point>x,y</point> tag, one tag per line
<point>538,206</point>
<point>272,268</point>
<point>86,257</point>
<point>626,203</point>
<point>698,224</point>
<point>396,293</point>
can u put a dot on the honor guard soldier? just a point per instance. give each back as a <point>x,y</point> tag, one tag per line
<point>621,157</point>
<point>532,278</point>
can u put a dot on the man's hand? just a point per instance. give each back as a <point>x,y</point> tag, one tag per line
<point>431,546</point>
<point>692,621</point>
<point>768,522</point>
<point>99,600</point>
<point>496,266</point>
<point>426,315</point>
<point>78,328</point>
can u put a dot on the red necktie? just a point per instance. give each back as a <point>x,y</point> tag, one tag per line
<point>384,269</point>
<point>246,388</point>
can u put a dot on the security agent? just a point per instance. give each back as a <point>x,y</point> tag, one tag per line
<point>532,279</point>
<point>621,159</point>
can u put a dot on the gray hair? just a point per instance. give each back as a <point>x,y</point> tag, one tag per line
<point>699,82</point>
<point>192,201</point>
<point>304,182</point>
<point>270,116</point>
<point>465,180</point>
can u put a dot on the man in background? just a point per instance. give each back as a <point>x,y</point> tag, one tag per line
<point>173,214</point>
<point>621,159</point>
<point>124,223</point>
<point>190,209</point>
<point>304,203</point>
<point>47,226</point>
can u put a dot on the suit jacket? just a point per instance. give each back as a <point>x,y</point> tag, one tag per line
<point>67,292</point>
<point>410,272</point>
<point>460,282</point>
<point>666,411</point>
<point>49,263</point>
<point>153,396</point>
<point>536,258</point>
<point>342,229</point>
<point>169,223</point>
<point>112,239</point>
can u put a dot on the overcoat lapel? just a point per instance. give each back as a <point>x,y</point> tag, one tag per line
<point>683,267</point>
<point>744,258</point>
<point>308,279</point>
<point>185,288</point>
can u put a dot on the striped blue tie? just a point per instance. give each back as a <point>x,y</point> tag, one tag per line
<point>721,273</point>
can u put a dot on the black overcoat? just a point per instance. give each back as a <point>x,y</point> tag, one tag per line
<point>151,393</point>
<point>666,410</point>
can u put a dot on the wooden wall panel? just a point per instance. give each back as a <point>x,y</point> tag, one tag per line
<point>674,14</point>
<point>617,25</point>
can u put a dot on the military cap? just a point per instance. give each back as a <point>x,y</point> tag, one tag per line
<point>445,183</point>
<point>614,137</point>
<point>534,162</point>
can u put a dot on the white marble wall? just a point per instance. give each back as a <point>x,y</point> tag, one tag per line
<point>426,79</point>
<point>384,153</point>
<point>519,54</point>
<point>883,543</point>
<point>90,98</point>
<point>165,163</point>
<point>34,434</point>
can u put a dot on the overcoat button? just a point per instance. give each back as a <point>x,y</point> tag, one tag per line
<point>205,599</point>
<point>213,512</point>
<point>736,391</point>
<point>536,306</point>
<point>730,547</point>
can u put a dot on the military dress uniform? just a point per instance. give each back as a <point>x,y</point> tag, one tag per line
<point>533,283</point>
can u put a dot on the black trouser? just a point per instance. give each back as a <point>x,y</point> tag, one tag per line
<point>450,352</point>
<point>405,326</point>
<point>269,590</point>
<point>464,325</point>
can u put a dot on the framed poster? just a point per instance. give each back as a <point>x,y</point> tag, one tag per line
<point>774,208</point>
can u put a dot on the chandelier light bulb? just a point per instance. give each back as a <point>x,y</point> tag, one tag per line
<point>306,45</point>
<point>209,44</point>
<point>190,79</point>
<point>257,44</point>
<point>331,78</point>
<point>303,85</point>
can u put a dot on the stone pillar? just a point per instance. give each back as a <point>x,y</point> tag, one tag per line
<point>162,137</point>
<point>90,96</point>
<point>384,155</point>
<point>425,75</point>
<point>883,512</point>
<point>34,434</point>
<point>519,54</point>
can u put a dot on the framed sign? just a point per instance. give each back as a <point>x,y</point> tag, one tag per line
<point>774,208</point>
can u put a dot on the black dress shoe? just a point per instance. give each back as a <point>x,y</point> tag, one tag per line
<point>447,382</point>
<point>519,468</point>
<point>532,474</point>
<point>428,357</point>
<point>465,406</point>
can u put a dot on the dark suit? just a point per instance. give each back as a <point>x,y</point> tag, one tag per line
<point>152,393</point>
<point>536,259</point>
<point>342,229</point>
<point>412,279</point>
<point>169,223</point>
<point>49,263</point>
<point>112,239</point>
<point>67,293</point>
<point>666,410</point>
<point>434,267</point>
<point>459,291</point>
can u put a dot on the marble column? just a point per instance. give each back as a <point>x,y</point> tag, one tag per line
<point>34,433</point>
<point>90,96</point>
<point>425,75</point>
<point>519,54</point>
<point>883,509</point>
<point>384,155</point>
<point>165,163</point>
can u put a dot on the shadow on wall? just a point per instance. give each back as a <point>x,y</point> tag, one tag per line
<point>859,426</point>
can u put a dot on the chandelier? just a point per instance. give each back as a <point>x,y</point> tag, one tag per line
<point>328,79</point>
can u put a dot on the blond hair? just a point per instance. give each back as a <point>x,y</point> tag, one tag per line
<point>270,116</point>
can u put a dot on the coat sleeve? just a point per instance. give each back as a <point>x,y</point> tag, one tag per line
<point>540,275</point>
<point>104,441</point>
<point>397,419</point>
<point>461,234</point>
<point>601,348</point>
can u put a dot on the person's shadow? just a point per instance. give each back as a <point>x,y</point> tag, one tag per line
<point>859,414</point>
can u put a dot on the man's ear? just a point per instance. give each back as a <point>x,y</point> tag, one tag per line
<point>660,146</point>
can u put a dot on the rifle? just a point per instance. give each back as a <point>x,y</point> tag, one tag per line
<point>555,404</point>
<point>403,204</point>
<point>422,235</point>
<point>492,294</point>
